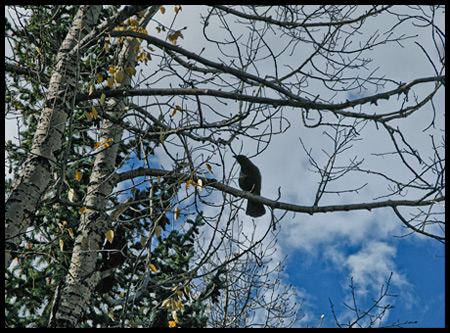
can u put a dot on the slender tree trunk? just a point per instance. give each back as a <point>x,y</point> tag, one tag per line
<point>83,276</point>
<point>38,170</point>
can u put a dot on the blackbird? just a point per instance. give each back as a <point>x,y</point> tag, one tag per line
<point>250,180</point>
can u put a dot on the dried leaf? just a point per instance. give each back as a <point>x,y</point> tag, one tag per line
<point>119,75</point>
<point>177,213</point>
<point>110,236</point>
<point>143,241</point>
<point>72,235</point>
<point>71,194</point>
<point>102,99</point>
<point>174,36</point>
<point>112,69</point>
<point>209,167</point>
<point>78,176</point>
<point>110,81</point>
<point>131,71</point>
<point>158,231</point>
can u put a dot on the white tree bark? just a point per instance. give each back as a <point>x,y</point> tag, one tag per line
<point>83,277</point>
<point>23,202</point>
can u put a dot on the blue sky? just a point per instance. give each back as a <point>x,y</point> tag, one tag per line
<point>325,251</point>
<point>421,297</point>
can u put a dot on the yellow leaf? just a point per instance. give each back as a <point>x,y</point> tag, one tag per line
<point>131,71</point>
<point>110,81</point>
<point>174,36</point>
<point>166,303</point>
<point>97,144</point>
<point>78,175</point>
<point>158,231</point>
<point>88,116</point>
<point>61,226</point>
<point>153,268</point>
<point>187,291</point>
<point>209,167</point>
<point>177,8</point>
<point>61,244</point>
<point>119,212</point>
<point>172,323</point>
<point>119,75</point>
<point>94,112</point>
<point>110,236</point>
<point>162,9</point>
<point>175,109</point>
<point>112,69</point>
<point>102,99</point>
<point>91,90</point>
<point>177,213</point>
<point>187,184</point>
<point>82,210</point>
<point>38,50</point>
<point>72,235</point>
<point>111,315</point>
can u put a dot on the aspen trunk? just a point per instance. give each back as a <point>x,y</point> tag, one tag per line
<point>83,276</point>
<point>38,170</point>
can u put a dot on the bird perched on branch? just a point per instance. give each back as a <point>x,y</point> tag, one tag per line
<point>250,180</point>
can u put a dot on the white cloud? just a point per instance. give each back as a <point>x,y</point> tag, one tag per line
<point>371,266</point>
